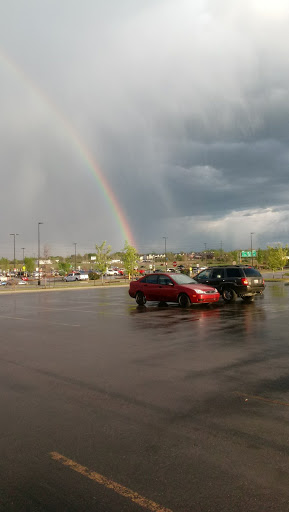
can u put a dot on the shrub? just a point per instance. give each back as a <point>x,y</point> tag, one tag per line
<point>185,271</point>
<point>93,276</point>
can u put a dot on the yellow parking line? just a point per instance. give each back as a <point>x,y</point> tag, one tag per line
<point>262,399</point>
<point>100,479</point>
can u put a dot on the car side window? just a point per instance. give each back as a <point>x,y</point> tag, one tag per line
<point>164,280</point>
<point>153,279</point>
<point>204,275</point>
<point>217,273</point>
<point>234,272</point>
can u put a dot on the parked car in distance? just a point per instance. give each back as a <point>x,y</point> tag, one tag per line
<point>14,281</point>
<point>233,281</point>
<point>167,287</point>
<point>118,270</point>
<point>37,274</point>
<point>76,276</point>
<point>111,272</point>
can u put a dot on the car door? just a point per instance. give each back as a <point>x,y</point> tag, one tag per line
<point>167,289</point>
<point>150,287</point>
<point>217,278</point>
<point>203,277</point>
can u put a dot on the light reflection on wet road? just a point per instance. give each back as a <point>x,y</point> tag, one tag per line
<point>187,408</point>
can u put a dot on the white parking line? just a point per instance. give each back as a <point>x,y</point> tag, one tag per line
<point>37,320</point>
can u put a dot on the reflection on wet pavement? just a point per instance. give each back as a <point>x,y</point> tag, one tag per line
<point>188,406</point>
<point>235,346</point>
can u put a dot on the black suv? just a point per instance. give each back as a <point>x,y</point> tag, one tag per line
<point>233,280</point>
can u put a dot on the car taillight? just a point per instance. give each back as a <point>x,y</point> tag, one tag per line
<point>244,280</point>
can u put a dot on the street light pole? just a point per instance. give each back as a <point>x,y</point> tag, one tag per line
<point>205,253</point>
<point>14,235</point>
<point>39,223</point>
<point>165,239</point>
<point>252,259</point>
<point>23,249</point>
<point>74,243</point>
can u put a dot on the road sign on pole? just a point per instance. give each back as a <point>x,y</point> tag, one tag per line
<point>248,254</point>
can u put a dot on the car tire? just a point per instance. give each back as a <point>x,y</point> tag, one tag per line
<point>229,295</point>
<point>140,298</point>
<point>184,301</point>
<point>248,299</point>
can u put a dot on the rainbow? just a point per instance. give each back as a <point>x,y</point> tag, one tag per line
<point>80,146</point>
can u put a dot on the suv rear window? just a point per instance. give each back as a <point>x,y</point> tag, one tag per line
<point>234,272</point>
<point>251,272</point>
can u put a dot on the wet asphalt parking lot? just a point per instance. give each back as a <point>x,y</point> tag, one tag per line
<point>109,407</point>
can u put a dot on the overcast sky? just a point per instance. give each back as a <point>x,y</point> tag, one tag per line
<point>184,106</point>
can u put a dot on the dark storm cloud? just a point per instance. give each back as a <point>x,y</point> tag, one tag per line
<point>184,106</point>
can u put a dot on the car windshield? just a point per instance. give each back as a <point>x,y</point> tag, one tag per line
<point>183,279</point>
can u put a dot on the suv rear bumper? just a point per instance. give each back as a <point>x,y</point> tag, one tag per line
<point>244,291</point>
<point>249,291</point>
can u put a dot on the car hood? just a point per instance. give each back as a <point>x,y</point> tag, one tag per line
<point>203,287</point>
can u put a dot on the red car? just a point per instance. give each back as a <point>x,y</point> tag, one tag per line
<point>178,288</point>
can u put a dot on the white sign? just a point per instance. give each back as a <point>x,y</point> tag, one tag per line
<point>93,258</point>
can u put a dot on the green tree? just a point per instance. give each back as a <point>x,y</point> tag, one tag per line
<point>281,255</point>
<point>261,256</point>
<point>64,267</point>
<point>276,257</point>
<point>29,264</point>
<point>234,256</point>
<point>130,257</point>
<point>4,264</point>
<point>118,255</point>
<point>103,257</point>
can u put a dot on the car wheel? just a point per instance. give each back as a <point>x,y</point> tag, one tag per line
<point>229,295</point>
<point>184,301</point>
<point>140,299</point>
<point>249,298</point>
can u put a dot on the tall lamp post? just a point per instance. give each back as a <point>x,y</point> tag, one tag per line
<point>252,259</point>
<point>205,244</point>
<point>75,244</point>
<point>39,223</point>
<point>23,249</point>
<point>14,235</point>
<point>165,239</point>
